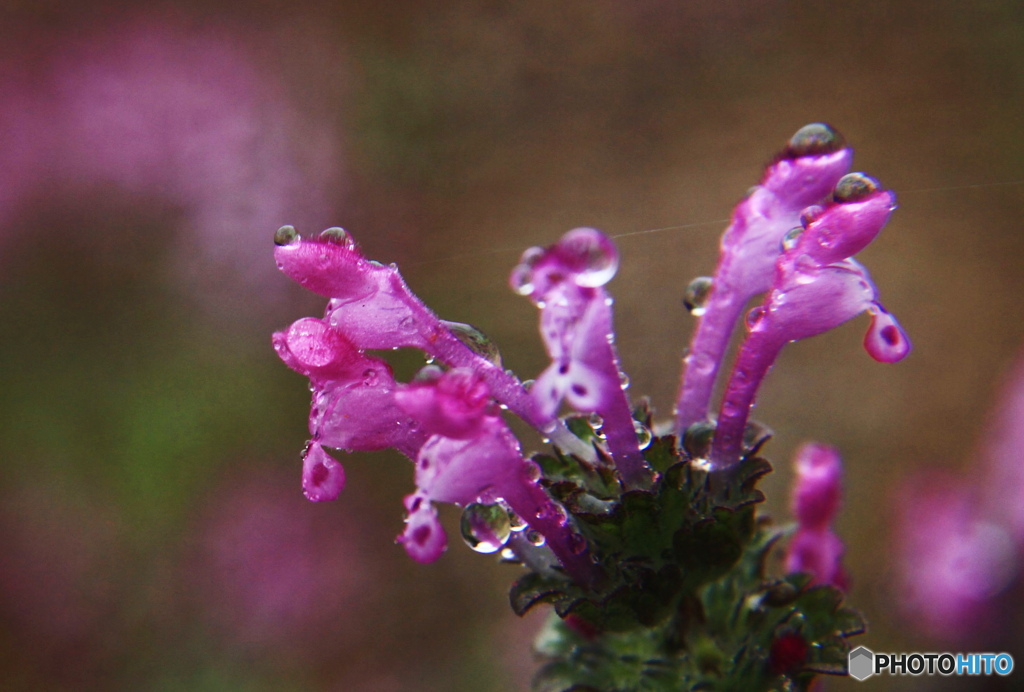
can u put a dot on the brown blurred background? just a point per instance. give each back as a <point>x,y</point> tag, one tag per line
<point>152,531</point>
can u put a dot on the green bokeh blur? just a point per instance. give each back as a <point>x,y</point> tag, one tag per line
<point>153,535</point>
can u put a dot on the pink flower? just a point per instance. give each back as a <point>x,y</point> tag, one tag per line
<point>481,462</point>
<point>815,548</point>
<point>802,175</point>
<point>954,558</point>
<point>816,288</point>
<point>447,422</point>
<point>566,282</point>
<point>176,110</point>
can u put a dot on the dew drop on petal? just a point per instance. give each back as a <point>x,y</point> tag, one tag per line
<point>337,236</point>
<point>485,527</point>
<point>792,238</point>
<point>286,235</point>
<point>535,537</point>
<point>515,522</point>
<point>521,279</point>
<point>531,256</point>
<point>695,298</point>
<point>810,214</point>
<point>596,256</point>
<point>814,139</point>
<point>476,340</point>
<point>754,317</point>
<point>854,187</point>
<point>643,434</point>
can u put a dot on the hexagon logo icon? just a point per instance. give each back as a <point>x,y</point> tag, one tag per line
<point>862,663</point>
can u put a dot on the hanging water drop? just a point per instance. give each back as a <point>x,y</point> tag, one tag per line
<point>695,298</point>
<point>535,537</point>
<point>643,434</point>
<point>485,527</point>
<point>476,340</point>
<point>286,235</point>
<point>623,380</point>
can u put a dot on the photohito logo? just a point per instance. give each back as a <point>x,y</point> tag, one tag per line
<point>863,663</point>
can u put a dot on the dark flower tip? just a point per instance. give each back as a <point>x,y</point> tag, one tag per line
<point>816,139</point>
<point>286,235</point>
<point>853,187</point>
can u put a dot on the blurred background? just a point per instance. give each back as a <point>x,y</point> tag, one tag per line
<point>153,535</point>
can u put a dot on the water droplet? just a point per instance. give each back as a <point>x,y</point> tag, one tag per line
<point>476,340</point>
<point>521,279</point>
<point>596,257</point>
<point>528,384</point>
<point>286,235</point>
<point>577,544</point>
<point>695,298</point>
<point>755,434</point>
<point>552,512</point>
<point>532,471</point>
<point>811,214</point>
<point>337,236</point>
<point>485,527</point>
<point>515,522</point>
<point>509,555</point>
<point>623,380</point>
<point>643,434</point>
<point>535,537</point>
<point>854,187</point>
<point>697,439</point>
<point>596,421</point>
<point>531,256</point>
<point>754,317</point>
<point>428,373</point>
<point>792,238</point>
<point>815,139</point>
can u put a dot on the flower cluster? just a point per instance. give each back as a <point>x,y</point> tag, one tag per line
<point>575,518</point>
<point>815,548</point>
<point>961,538</point>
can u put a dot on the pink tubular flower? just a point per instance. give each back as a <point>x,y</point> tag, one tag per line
<point>802,175</point>
<point>960,539</point>
<point>371,307</point>
<point>566,282</point>
<point>954,559</point>
<point>353,403</point>
<point>815,548</point>
<point>447,422</point>
<point>816,288</point>
<point>472,456</point>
